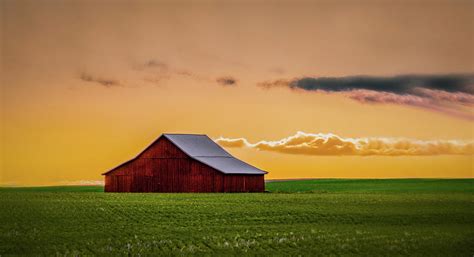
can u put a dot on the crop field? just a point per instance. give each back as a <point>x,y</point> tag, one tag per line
<point>415,217</point>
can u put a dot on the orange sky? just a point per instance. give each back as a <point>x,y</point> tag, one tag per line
<point>86,85</point>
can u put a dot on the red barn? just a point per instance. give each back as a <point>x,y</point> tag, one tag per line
<point>184,163</point>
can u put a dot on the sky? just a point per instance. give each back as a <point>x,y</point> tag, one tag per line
<point>301,89</point>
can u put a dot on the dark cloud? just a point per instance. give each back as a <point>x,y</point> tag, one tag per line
<point>99,80</point>
<point>226,81</point>
<point>403,84</point>
<point>431,92</point>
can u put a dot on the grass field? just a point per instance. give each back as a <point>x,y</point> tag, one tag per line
<point>416,217</point>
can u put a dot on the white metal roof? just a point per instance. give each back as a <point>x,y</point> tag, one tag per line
<point>230,165</point>
<point>203,149</point>
<point>197,145</point>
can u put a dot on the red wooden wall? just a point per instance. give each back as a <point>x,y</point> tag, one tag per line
<point>163,167</point>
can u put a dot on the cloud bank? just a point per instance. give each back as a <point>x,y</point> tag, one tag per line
<point>332,145</point>
<point>446,94</point>
<point>83,183</point>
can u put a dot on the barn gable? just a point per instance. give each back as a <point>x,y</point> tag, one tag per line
<point>162,148</point>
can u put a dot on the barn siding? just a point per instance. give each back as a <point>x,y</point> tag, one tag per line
<point>163,167</point>
<point>163,148</point>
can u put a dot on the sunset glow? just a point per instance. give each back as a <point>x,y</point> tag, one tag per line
<point>86,85</point>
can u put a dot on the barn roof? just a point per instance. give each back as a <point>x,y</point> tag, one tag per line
<point>197,145</point>
<point>230,165</point>
<point>203,149</point>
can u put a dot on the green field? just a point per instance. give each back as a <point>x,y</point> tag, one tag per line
<point>422,217</point>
